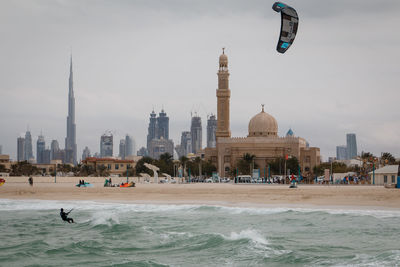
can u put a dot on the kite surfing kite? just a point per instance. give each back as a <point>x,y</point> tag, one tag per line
<point>289,25</point>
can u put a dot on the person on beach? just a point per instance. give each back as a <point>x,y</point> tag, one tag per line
<point>30,180</point>
<point>64,216</point>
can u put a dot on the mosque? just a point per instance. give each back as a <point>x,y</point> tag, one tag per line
<point>262,141</point>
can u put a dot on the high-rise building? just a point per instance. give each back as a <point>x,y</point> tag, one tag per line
<point>122,149</point>
<point>143,152</point>
<point>130,146</point>
<point>20,149</point>
<point>28,147</point>
<point>196,134</point>
<point>54,148</point>
<point>211,130</point>
<point>45,156</point>
<point>341,152</point>
<point>161,146</point>
<point>163,125</point>
<point>58,155</point>
<point>70,140</point>
<point>40,147</point>
<point>106,145</point>
<point>1,149</point>
<point>86,153</point>
<point>223,98</point>
<point>351,145</point>
<point>152,130</point>
<point>186,144</point>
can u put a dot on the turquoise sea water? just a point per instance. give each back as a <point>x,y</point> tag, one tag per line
<point>32,234</point>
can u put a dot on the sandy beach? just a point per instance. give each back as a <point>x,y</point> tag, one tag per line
<point>44,188</point>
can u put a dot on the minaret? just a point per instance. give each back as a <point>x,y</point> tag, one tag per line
<point>70,140</point>
<point>223,96</point>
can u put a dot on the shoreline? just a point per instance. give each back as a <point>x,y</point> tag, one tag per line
<point>228,195</point>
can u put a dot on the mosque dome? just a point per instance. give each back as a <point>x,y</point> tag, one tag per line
<point>263,124</point>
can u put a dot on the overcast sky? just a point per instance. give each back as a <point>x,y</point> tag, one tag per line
<point>340,76</point>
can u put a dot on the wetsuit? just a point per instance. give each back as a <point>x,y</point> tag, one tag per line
<point>64,216</point>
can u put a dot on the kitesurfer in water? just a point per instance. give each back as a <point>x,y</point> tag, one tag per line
<point>64,216</point>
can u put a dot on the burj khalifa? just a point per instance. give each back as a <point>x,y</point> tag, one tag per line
<point>70,140</point>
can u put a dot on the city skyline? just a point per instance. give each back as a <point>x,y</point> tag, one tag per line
<point>116,88</point>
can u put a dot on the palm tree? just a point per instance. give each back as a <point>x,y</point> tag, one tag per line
<point>198,161</point>
<point>388,158</point>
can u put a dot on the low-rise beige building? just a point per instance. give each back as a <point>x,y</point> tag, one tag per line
<point>113,166</point>
<point>385,175</point>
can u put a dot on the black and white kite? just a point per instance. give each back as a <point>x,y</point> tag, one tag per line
<point>290,23</point>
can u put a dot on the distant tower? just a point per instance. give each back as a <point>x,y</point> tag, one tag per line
<point>28,146</point>
<point>341,152</point>
<point>186,143</point>
<point>211,130</point>
<point>196,133</point>
<point>351,146</point>
<point>163,125</point>
<point>70,140</point>
<point>86,153</point>
<point>122,149</point>
<point>129,146</point>
<point>106,145</point>
<point>152,130</point>
<point>54,147</point>
<point>20,149</point>
<point>1,150</point>
<point>223,96</point>
<point>40,148</point>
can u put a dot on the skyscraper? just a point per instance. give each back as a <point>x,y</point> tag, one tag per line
<point>54,149</point>
<point>40,147</point>
<point>341,152</point>
<point>122,149</point>
<point>143,152</point>
<point>186,144</point>
<point>85,153</point>
<point>70,140</point>
<point>163,125</point>
<point>106,145</point>
<point>45,156</point>
<point>152,130</point>
<point>130,146</point>
<point>351,146</point>
<point>20,149</point>
<point>161,146</point>
<point>28,147</point>
<point>211,130</point>
<point>196,134</point>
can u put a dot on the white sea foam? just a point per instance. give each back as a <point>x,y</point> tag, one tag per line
<point>13,205</point>
<point>104,218</point>
<point>250,234</point>
<point>335,211</point>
